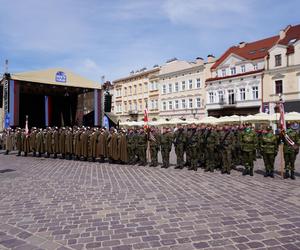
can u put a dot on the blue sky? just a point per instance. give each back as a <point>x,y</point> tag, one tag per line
<point>113,37</point>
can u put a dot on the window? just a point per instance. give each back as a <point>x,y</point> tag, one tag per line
<point>176,87</point>
<point>183,105</point>
<point>242,94</point>
<point>231,96</point>
<point>277,60</point>
<point>146,103</point>
<point>183,85</point>
<point>125,91</point>
<point>152,104</point>
<point>278,87</point>
<point>125,106</point>
<point>164,89</point>
<point>243,68</point>
<point>255,92</point>
<point>141,106</point>
<point>198,102</point>
<point>130,106</point>
<point>135,106</point>
<point>223,72</point>
<point>190,103</point>
<point>198,83</point>
<point>134,89</point>
<point>233,71</point>
<point>221,96</point>
<point>211,97</point>
<point>164,106</point>
<point>190,84</point>
<point>255,67</point>
<point>170,105</point>
<point>176,104</point>
<point>130,90</point>
<point>170,88</point>
<point>145,87</point>
<point>141,88</point>
<point>156,104</point>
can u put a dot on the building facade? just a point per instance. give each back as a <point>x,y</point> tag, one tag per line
<point>132,94</point>
<point>182,88</point>
<point>282,74</point>
<point>235,87</point>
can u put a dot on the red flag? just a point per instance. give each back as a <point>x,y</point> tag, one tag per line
<point>146,118</point>
<point>281,119</point>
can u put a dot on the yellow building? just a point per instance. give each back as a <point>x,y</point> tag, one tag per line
<point>282,74</point>
<point>133,93</point>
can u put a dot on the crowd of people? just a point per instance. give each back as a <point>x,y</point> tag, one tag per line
<point>204,146</point>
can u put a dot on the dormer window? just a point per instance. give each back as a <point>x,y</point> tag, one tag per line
<point>233,71</point>
<point>223,72</point>
<point>243,68</point>
<point>277,60</point>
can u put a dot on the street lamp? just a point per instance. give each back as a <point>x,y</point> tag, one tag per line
<point>194,112</point>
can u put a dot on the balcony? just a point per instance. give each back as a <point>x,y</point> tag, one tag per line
<point>133,112</point>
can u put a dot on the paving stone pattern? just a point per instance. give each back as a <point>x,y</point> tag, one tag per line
<point>60,204</point>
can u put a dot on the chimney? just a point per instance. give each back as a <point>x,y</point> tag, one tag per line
<point>282,34</point>
<point>199,60</point>
<point>210,58</point>
<point>242,45</point>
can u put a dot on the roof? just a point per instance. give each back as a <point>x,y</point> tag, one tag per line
<point>139,74</point>
<point>292,33</point>
<point>56,76</point>
<point>237,75</point>
<point>251,51</point>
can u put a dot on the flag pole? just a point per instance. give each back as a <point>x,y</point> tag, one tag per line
<point>282,134</point>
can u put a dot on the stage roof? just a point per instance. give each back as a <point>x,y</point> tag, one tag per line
<point>56,76</point>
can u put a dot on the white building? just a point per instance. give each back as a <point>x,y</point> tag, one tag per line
<point>182,88</point>
<point>237,78</point>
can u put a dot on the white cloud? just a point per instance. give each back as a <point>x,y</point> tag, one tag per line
<point>208,14</point>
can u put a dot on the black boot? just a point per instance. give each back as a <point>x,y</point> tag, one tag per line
<point>25,154</point>
<point>245,171</point>
<point>286,174</point>
<point>19,153</point>
<point>40,154</point>
<point>266,173</point>
<point>6,152</point>
<point>55,156</point>
<point>271,174</point>
<point>293,175</point>
<point>178,167</point>
<point>251,172</point>
<point>34,154</point>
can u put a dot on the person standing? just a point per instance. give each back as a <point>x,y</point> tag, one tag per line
<point>291,149</point>
<point>226,145</point>
<point>268,150</point>
<point>179,142</point>
<point>33,141</point>
<point>18,139</point>
<point>166,146</point>
<point>55,142</point>
<point>192,147</point>
<point>40,142</point>
<point>69,143</point>
<point>131,146</point>
<point>154,138</point>
<point>248,146</point>
<point>122,145</point>
<point>211,141</point>
<point>141,145</point>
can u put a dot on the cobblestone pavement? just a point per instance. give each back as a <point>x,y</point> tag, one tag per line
<point>60,204</point>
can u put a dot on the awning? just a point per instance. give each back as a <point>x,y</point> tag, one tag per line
<point>56,76</point>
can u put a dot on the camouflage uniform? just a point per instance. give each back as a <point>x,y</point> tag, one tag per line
<point>192,148</point>
<point>141,144</point>
<point>226,145</point>
<point>154,141</point>
<point>212,140</point>
<point>248,146</point>
<point>166,146</point>
<point>179,142</point>
<point>131,145</point>
<point>290,153</point>
<point>269,149</point>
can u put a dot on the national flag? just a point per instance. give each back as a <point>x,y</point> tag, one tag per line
<point>146,119</point>
<point>281,118</point>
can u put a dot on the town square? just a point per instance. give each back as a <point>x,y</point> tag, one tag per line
<point>163,124</point>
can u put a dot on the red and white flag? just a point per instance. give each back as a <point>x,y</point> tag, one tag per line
<point>281,118</point>
<point>146,118</point>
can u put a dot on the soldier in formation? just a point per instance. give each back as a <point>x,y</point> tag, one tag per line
<point>205,146</point>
